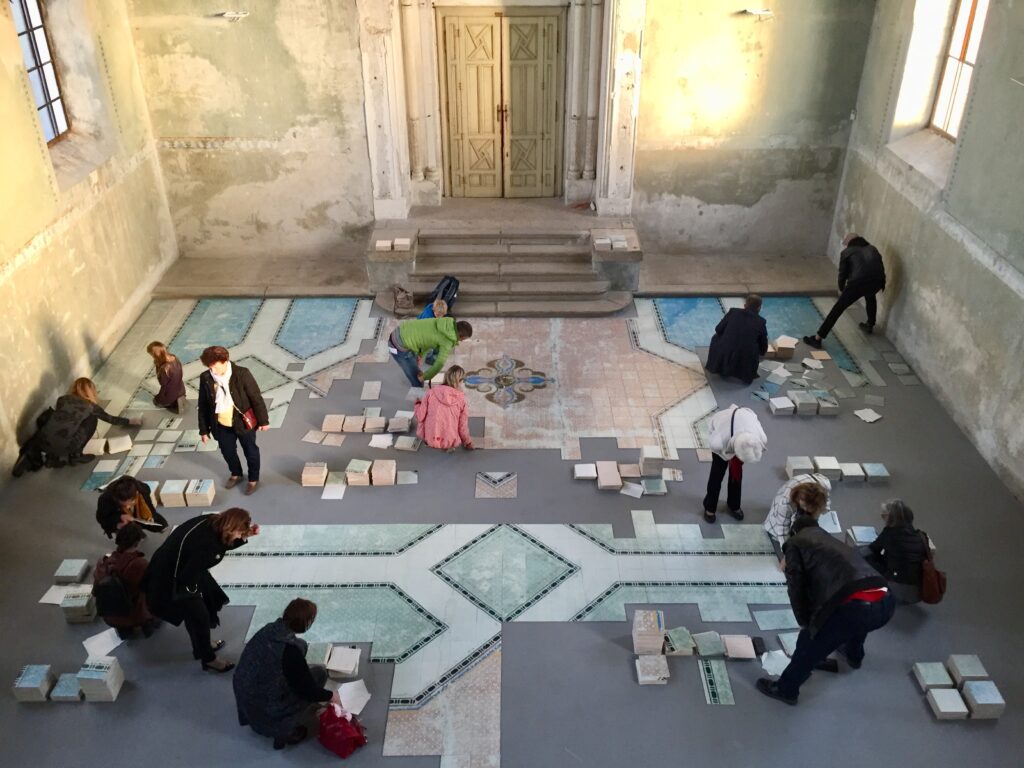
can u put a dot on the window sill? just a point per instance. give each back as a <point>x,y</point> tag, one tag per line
<point>76,156</point>
<point>927,152</point>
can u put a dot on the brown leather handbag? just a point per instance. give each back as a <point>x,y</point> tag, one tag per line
<point>933,581</point>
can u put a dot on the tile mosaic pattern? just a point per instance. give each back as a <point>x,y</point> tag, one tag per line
<point>314,325</point>
<point>506,381</point>
<point>213,322</point>
<point>496,485</point>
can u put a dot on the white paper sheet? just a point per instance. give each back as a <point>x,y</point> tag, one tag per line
<point>107,465</point>
<point>102,644</point>
<point>868,415</point>
<point>354,696</point>
<point>146,435</point>
<point>774,662</point>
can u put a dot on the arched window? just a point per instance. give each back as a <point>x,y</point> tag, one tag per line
<point>42,74</point>
<point>959,67</point>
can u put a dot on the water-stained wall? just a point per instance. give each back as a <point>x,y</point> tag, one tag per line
<point>259,123</point>
<point>955,305</point>
<point>85,230</point>
<point>743,123</point>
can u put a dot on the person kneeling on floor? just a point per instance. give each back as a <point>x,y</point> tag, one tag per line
<point>837,598</point>
<point>740,339</point>
<point>442,418</point>
<point>117,580</point>
<point>274,685</point>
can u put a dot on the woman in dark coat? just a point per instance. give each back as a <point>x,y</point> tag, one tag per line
<point>899,551</point>
<point>740,339</point>
<point>178,584</point>
<point>129,566</point>
<point>70,425</point>
<point>228,396</point>
<point>170,376</point>
<point>274,686</point>
<point>127,500</point>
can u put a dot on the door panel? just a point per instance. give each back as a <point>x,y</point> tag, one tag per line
<point>502,77</point>
<point>474,93</point>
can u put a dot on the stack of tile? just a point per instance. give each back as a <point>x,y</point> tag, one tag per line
<point>384,472</point>
<point>101,678</point>
<point>119,444</point>
<point>199,493</point>
<point>654,486</point>
<point>876,473</point>
<point>679,642</point>
<point>608,478</point>
<point>67,688</point>
<point>374,424</point>
<point>829,467</point>
<point>648,632</point>
<point>398,424</point>
<point>354,424</point>
<point>805,403</point>
<point>852,472</point>
<point>333,422</point>
<point>318,654</point>
<point>408,443</point>
<point>652,670</point>
<point>358,472</point>
<point>172,493</point>
<point>709,644</point>
<point>965,667</point>
<point>584,472</point>
<point>34,683</point>
<point>343,661</point>
<point>79,607</point>
<point>785,347</point>
<point>97,446</point>
<point>828,405</point>
<point>739,646</point>
<point>798,465</point>
<point>959,689</point>
<point>71,572</point>
<point>781,406</point>
<point>932,674</point>
<point>652,461</point>
<point>983,700</point>
<point>314,474</point>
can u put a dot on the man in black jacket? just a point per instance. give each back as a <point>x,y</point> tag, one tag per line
<point>837,599</point>
<point>861,276</point>
<point>739,341</point>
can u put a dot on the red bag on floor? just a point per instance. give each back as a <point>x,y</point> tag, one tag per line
<point>340,731</point>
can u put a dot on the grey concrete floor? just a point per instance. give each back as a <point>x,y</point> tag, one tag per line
<point>568,692</point>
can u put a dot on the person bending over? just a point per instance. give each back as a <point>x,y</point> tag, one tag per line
<point>117,585</point>
<point>736,438</point>
<point>740,339</point>
<point>861,276</point>
<point>413,339</point>
<point>127,500</point>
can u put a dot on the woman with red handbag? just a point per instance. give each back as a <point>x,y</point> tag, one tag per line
<point>231,408</point>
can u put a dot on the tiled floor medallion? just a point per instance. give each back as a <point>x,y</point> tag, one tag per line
<point>506,381</point>
<point>496,485</point>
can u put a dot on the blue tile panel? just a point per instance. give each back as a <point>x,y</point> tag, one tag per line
<point>214,322</point>
<point>315,325</point>
<point>717,600</point>
<point>688,322</point>
<point>798,316</point>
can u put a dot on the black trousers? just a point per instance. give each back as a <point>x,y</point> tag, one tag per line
<point>734,489</point>
<point>228,441</point>
<point>197,624</point>
<point>82,435</point>
<point>846,628</point>
<point>850,294</point>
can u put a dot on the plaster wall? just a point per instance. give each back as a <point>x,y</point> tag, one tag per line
<point>743,123</point>
<point>85,230</point>
<point>955,304</point>
<point>259,124</point>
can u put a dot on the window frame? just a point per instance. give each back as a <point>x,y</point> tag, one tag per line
<point>961,59</point>
<point>38,66</point>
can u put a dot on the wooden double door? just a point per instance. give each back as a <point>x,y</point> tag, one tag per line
<point>502,93</point>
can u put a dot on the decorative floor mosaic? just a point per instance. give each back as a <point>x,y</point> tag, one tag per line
<point>432,598</point>
<point>496,485</point>
<point>506,381</point>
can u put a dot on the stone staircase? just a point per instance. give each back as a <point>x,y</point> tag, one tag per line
<point>504,272</point>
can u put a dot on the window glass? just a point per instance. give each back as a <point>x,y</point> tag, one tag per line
<point>42,73</point>
<point>976,28</point>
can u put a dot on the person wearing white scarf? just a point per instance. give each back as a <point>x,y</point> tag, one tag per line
<point>222,415</point>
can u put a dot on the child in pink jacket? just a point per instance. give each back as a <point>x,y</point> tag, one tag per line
<point>442,419</point>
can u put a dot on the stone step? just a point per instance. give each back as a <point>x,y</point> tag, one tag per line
<point>434,270</point>
<point>511,235</point>
<point>507,251</point>
<point>493,291</point>
<point>606,304</point>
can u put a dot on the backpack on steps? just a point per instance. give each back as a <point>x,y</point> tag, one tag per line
<point>447,289</point>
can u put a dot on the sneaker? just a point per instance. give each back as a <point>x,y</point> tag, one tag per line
<point>868,328</point>
<point>770,688</point>
<point>812,341</point>
<point>233,481</point>
<point>737,513</point>
<point>710,516</point>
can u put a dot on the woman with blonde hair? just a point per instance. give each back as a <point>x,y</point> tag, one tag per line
<point>442,418</point>
<point>168,372</point>
<point>178,585</point>
<point>70,426</point>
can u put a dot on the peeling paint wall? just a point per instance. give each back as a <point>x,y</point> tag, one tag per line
<point>85,230</point>
<point>743,123</point>
<point>259,124</point>
<point>955,308</point>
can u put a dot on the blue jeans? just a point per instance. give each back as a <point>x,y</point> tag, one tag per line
<point>846,628</point>
<point>410,366</point>
<point>228,441</point>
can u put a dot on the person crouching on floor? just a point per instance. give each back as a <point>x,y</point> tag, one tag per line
<point>442,418</point>
<point>117,585</point>
<point>837,598</point>
<point>740,339</point>
<point>274,685</point>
